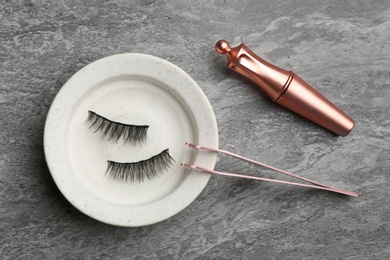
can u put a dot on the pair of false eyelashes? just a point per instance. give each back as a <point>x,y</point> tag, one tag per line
<point>135,135</point>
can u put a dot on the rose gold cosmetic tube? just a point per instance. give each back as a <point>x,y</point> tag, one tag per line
<point>286,88</point>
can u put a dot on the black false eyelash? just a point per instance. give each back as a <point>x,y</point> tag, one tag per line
<point>114,130</point>
<point>137,171</point>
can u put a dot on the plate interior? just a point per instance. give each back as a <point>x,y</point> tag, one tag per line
<point>132,100</point>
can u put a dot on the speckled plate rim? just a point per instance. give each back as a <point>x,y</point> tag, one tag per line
<point>60,116</point>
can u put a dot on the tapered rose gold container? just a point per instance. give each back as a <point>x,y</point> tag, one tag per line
<point>286,88</point>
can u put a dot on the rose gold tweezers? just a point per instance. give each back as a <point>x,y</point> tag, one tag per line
<point>314,184</point>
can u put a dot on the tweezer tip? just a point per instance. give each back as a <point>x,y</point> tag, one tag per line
<point>192,145</point>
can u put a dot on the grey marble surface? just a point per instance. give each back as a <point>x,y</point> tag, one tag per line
<point>341,47</point>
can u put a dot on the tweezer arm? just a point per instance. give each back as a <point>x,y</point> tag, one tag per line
<point>313,184</point>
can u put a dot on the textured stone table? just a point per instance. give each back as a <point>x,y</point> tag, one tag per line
<point>341,47</point>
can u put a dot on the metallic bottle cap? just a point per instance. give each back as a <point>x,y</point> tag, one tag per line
<point>286,88</point>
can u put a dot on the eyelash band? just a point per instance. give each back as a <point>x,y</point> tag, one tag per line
<point>134,134</point>
<point>137,171</point>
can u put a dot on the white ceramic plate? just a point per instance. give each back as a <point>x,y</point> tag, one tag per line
<point>135,89</point>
